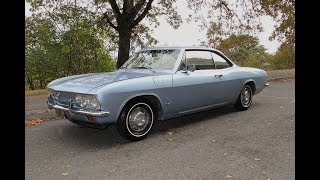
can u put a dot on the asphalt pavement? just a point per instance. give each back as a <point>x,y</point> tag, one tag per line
<point>218,144</point>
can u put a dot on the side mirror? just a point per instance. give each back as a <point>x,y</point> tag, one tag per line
<point>191,67</point>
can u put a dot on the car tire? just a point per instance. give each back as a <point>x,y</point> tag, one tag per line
<point>136,120</point>
<point>245,98</point>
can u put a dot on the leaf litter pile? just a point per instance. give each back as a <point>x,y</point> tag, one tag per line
<point>33,122</point>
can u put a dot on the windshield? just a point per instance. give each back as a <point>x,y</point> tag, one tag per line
<point>152,59</point>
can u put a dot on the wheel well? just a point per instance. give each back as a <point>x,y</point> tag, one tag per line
<point>252,85</point>
<point>154,102</point>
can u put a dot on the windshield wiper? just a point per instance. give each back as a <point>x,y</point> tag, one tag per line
<point>144,67</point>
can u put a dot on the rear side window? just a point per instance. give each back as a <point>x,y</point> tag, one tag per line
<point>201,59</point>
<point>219,61</point>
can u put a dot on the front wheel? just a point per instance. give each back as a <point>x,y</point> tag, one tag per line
<point>245,98</point>
<point>136,120</point>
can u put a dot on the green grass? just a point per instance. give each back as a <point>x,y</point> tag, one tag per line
<point>36,92</point>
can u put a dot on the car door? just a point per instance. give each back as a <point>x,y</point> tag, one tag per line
<point>231,84</point>
<point>195,90</point>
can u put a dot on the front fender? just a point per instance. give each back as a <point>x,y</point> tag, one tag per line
<point>138,95</point>
<point>115,96</point>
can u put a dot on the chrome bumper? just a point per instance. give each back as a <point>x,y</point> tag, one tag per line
<point>98,113</point>
<point>266,84</point>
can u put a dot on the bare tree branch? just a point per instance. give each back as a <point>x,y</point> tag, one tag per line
<point>142,15</point>
<point>231,11</point>
<point>127,4</point>
<point>115,9</point>
<point>106,17</point>
<point>137,7</point>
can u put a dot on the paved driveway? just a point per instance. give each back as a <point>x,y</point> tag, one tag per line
<point>216,144</point>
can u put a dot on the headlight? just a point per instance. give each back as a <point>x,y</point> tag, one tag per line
<point>88,102</point>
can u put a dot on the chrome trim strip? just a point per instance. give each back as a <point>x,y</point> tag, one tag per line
<point>201,108</point>
<point>98,113</point>
<point>60,107</point>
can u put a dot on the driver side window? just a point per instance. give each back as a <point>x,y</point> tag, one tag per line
<point>201,59</point>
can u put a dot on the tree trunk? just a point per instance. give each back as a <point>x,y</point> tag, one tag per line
<point>124,47</point>
<point>30,82</point>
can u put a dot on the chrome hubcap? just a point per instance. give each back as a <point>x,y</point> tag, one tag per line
<point>139,119</point>
<point>246,96</point>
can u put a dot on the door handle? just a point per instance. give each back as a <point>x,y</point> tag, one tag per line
<point>218,76</point>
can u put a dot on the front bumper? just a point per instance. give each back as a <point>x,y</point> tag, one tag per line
<point>72,109</point>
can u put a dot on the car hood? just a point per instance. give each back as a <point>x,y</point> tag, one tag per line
<point>85,82</point>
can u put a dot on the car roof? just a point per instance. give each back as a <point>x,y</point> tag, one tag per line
<point>178,47</point>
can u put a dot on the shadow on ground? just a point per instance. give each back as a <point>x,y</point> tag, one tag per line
<point>86,138</point>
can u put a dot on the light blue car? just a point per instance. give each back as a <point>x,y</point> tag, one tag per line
<point>155,84</point>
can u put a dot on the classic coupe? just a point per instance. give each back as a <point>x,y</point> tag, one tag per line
<point>155,84</point>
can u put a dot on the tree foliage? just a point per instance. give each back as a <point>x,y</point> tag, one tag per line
<point>284,58</point>
<point>223,18</point>
<point>68,37</point>
<point>122,19</point>
<point>245,50</point>
<point>283,12</point>
<point>58,45</point>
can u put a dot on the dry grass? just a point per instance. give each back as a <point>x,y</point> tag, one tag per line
<point>36,92</point>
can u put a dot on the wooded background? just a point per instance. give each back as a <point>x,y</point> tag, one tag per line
<point>68,37</point>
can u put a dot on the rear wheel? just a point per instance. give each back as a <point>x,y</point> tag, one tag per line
<point>136,120</point>
<point>245,98</point>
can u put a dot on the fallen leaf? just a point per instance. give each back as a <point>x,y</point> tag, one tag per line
<point>228,176</point>
<point>213,141</point>
<point>257,159</point>
<point>33,122</point>
<point>170,133</point>
<point>281,106</point>
<point>113,171</point>
<point>225,154</point>
<point>68,166</point>
<point>268,178</point>
<point>169,139</point>
<point>64,174</point>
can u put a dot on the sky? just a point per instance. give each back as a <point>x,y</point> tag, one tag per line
<point>190,34</point>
